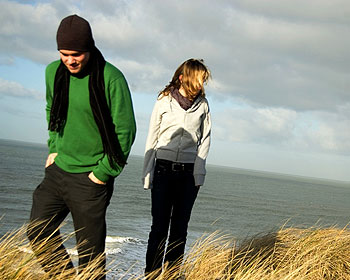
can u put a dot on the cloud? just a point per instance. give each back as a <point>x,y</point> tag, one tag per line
<point>28,30</point>
<point>304,132</point>
<point>255,125</point>
<point>6,61</point>
<point>13,89</point>
<point>312,10</point>
<point>280,68</point>
<point>272,54</point>
<point>331,133</point>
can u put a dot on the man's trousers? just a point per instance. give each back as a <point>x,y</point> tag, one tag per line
<point>59,194</point>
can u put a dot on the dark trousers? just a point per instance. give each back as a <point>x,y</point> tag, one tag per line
<point>58,194</point>
<point>173,196</point>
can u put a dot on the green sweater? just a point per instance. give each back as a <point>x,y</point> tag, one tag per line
<point>79,146</point>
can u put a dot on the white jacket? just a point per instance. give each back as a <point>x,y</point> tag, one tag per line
<point>178,135</point>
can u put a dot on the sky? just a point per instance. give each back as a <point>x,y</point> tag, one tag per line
<point>280,89</point>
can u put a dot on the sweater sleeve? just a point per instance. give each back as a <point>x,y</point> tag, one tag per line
<point>119,99</point>
<point>150,150</point>
<point>203,149</point>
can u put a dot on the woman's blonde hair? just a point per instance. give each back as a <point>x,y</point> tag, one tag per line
<point>186,75</point>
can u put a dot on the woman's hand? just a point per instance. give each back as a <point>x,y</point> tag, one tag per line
<point>93,178</point>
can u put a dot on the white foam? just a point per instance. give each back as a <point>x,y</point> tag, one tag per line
<point>109,251</point>
<point>72,252</point>
<point>25,250</point>
<point>118,239</point>
<point>113,251</point>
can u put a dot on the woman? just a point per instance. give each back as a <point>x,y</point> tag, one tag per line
<point>174,165</point>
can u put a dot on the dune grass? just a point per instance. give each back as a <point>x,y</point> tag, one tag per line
<point>290,253</point>
<point>17,260</point>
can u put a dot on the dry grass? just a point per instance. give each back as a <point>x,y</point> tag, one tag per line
<point>311,254</point>
<point>292,253</point>
<point>17,261</point>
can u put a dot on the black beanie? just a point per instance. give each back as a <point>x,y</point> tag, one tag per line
<point>74,33</point>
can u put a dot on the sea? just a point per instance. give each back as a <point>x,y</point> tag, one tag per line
<point>236,202</point>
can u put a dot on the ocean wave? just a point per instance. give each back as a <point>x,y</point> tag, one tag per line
<point>119,239</point>
<point>113,251</point>
<point>25,250</point>
<point>108,251</point>
<point>74,252</point>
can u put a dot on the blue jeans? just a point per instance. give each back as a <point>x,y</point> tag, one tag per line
<point>173,197</point>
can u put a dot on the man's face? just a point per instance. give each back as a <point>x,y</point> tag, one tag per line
<point>75,61</point>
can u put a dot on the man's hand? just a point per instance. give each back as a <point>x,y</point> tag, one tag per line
<point>50,159</point>
<point>93,178</point>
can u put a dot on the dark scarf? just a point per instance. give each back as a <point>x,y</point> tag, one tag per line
<point>184,102</point>
<point>98,103</point>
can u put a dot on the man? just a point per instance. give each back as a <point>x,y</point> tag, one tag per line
<point>91,131</point>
